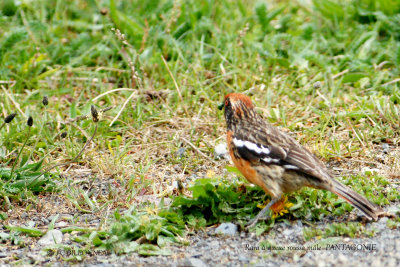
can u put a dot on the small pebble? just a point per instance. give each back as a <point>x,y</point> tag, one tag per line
<point>385,148</point>
<point>287,232</point>
<point>317,85</point>
<point>227,229</point>
<point>220,151</point>
<point>193,177</point>
<point>30,223</point>
<point>180,152</point>
<point>61,224</point>
<point>243,258</point>
<point>36,258</point>
<point>194,262</point>
<point>51,237</point>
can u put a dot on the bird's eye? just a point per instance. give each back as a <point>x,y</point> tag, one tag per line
<point>226,102</point>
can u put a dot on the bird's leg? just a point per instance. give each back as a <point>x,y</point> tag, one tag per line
<point>262,213</point>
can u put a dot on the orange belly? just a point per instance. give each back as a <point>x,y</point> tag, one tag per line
<point>245,167</point>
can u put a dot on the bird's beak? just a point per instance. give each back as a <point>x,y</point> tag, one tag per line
<point>221,106</point>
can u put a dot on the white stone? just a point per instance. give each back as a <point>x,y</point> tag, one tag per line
<point>51,237</point>
<point>220,151</point>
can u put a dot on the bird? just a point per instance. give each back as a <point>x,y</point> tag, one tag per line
<point>276,162</point>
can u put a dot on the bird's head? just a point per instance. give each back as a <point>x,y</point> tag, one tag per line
<point>237,107</point>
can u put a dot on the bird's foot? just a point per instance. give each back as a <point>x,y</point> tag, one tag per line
<point>261,214</point>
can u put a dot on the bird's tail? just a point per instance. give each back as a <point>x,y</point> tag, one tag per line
<point>368,208</point>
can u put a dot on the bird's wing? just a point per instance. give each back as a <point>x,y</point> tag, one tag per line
<point>268,145</point>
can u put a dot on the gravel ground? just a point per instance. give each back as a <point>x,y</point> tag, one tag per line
<point>284,244</point>
<point>206,248</point>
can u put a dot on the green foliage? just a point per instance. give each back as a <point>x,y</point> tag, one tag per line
<point>216,201</point>
<point>11,39</point>
<point>27,230</point>
<point>374,187</point>
<point>8,7</point>
<point>25,181</point>
<point>265,16</point>
<point>281,40</point>
<point>350,229</point>
<point>393,223</point>
<point>125,233</point>
<point>312,204</point>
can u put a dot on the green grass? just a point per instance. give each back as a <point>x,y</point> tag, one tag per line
<point>327,71</point>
